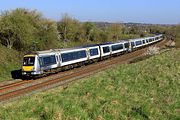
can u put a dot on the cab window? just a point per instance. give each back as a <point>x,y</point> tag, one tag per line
<point>28,61</point>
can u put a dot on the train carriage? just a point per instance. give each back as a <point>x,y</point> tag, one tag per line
<point>71,56</point>
<point>93,52</point>
<point>138,42</point>
<point>158,37</point>
<point>105,49</point>
<point>119,47</point>
<point>151,40</point>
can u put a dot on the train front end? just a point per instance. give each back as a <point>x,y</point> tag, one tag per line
<point>30,65</point>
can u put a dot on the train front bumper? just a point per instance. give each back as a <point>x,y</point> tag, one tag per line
<point>32,73</point>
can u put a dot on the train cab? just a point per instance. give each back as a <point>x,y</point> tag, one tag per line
<point>30,65</point>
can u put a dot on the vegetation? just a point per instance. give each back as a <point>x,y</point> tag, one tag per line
<point>22,29</point>
<point>10,60</point>
<point>145,90</point>
<point>177,35</point>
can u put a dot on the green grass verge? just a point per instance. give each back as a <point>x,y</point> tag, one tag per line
<point>145,90</point>
<point>9,60</point>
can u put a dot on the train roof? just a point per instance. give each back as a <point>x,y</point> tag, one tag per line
<point>91,45</point>
<point>79,47</point>
<point>106,43</point>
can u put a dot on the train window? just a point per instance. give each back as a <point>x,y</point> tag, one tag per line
<point>117,47</point>
<point>73,55</point>
<point>82,54</point>
<point>138,43</point>
<point>65,57</point>
<point>94,52</point>
<point>126,45</point>
<point>106,49</point>
<point>147,40</point>
<point>49,60</point>
<point>28,61</point>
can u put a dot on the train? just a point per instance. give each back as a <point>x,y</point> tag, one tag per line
<point>55,60</point>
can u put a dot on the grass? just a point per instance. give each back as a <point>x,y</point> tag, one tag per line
<point>9,60</point>
<point>148,89</point>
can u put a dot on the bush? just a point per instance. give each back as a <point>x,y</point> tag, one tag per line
<point>23,29</point>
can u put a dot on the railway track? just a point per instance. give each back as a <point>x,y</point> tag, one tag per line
<point>13,86</point>
<point>9,85</point>
<point>17,89</point>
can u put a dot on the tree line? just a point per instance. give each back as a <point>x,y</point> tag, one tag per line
<point>28,30</point>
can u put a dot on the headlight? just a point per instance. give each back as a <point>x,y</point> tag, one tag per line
<point>24,73</point>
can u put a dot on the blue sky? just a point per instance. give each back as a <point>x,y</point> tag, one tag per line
<point>144,11</point>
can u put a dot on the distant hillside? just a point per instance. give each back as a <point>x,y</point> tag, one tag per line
<point>106,24</point>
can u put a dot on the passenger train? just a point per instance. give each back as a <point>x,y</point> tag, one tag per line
<point>55,60</point>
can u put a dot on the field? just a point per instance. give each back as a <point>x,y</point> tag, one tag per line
<point>147,89</point>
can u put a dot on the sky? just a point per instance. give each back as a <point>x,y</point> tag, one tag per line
<point>139,11</point>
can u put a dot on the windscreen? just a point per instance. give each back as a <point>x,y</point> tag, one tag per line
<point>28,61</point>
